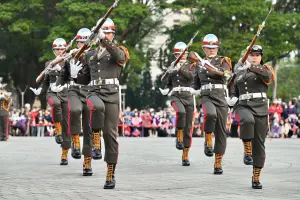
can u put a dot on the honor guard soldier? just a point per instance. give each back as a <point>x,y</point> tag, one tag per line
<point>5,104</point>
<point>212,98</point>
<point>57,100</point>
<point>78,110</point>
<point>180,79</point>
<point>251,108</point>
<point>102,73</point>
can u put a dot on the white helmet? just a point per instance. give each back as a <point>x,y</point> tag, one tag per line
<point>108,26</point>
<point>83,34</point>
<point>179,47</point>
<point>210,41</point>
<point>59,43</point>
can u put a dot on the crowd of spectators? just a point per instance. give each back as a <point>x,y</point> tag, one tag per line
<point>284,122</point>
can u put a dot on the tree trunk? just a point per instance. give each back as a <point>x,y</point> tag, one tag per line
<point>274,92</point>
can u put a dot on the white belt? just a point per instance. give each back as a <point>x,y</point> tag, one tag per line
<point>75,84</point>
<point>108,81</point>
<point>252,96</point>
<point>64,86</point>
<point>183,89</point>
<point>213,86</point>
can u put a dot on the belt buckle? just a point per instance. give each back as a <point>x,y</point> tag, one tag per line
<point>99,82</point>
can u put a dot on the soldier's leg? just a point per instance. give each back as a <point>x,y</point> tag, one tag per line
<point>180,123</point>
<point>259,155</point>
<point>110,134</point>
<point>66,144</point>
<point>96,109</point>
<point>7,127</point>
<point>220,138</point>
<point>209,123</point>
<point>3,128</point>
<point>187,134</point>
<point>87,141</point>
<point>56,113</point>
<point>74,124</point>
<point>246,122</point>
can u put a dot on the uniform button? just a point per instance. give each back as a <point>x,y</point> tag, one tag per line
<point>177,75</point>
<point>56,76</point>
<point>246,88</point>
<point>177,80</point>
<point>245,83</point>
<point>98,63</point>
<point>55,70</point>
<point>254,78</point>
<point>98,70</point>
<point>107,58</point>
<point>264,100</point>
<point>208,78</point>
<point>247,100</point>
<point>247,92</point>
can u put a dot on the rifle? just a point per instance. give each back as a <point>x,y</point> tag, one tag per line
<point>86,45</point>
<point>181,55</point>
<point>194,57</point>
<point>53,63</point>
<point>244,58</point>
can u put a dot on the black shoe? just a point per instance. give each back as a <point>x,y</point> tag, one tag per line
<point>186,163</point>
<point>76,154</point>
<point>3,139</point>
<point>64,162</point>
<point>218,171</point>
<point>97,155</point>
<point>248,160</point>
<point>58,139</point>
<point>208,151</point>
<point>110,184</point>
<point>87,172</point>
<point>256,185</point>
<point>179,145</point>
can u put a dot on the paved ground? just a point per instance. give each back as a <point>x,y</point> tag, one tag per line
<point>149,168</point>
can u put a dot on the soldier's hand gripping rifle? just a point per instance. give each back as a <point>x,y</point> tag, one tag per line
<point>180,56</point>
<point>54,62</point>
<point>86,45</point>
<point>95,31</point>
<point>244,58</point>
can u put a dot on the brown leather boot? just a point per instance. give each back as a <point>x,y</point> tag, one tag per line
<point>218,164</point>
<point>64,157</point>
<point>76,154</point>
<point>58,131</point>
<point>255,178</point>
<point>208,149</point>
<point>248,160</point>
<point>179,139</point>
<point>110,182</point>
<point>185,157</point>
<point>97,155</point>
<point>87,166</point>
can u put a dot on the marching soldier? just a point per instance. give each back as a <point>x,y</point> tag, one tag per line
<point>250,88</point>
<point>102,73</point>
<point>180,79</point>
<point>212,99</point>
<point>57,100</point>
<point>78,108</point>
<point>5,104</point>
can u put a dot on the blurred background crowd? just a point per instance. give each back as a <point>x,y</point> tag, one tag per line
<point>284,121</point>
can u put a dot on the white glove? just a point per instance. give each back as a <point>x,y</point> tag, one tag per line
<point>164,91</point>
<point>101,34</point>
<point>196,92</point>
<point>75,68</point>
<point>73,51</point>
<point>36,91</point>
<point>58,88</point>
<point>231,101</point>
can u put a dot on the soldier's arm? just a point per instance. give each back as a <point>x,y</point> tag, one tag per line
<point>186,72</point>
<point>235,91</point>
<point>119,53</point>
<point>264,71</point>
<point>45,84</point>
<point>64,75</point>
